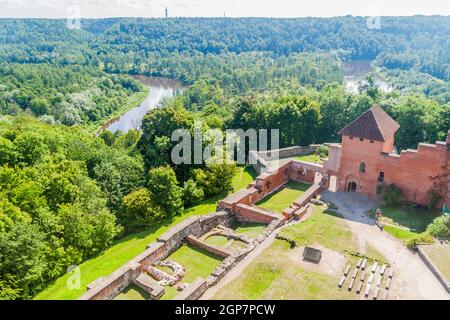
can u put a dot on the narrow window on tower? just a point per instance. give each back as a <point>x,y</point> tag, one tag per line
<point>362,167</point>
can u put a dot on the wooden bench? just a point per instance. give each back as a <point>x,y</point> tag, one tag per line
<point>374,267</point>
<point>375,293</point>
<point>383,269</point>
<point>370,278</point>
<point>364,264</point>
<point>388,283</point>
<point>391,273</point>
<point>347,270</point>
<point>350,285</point>
<point>355,273</point>
<point>367,292</point>
<point>359,287</point>
<point>379,279</point>
<point>358,265</point>
<point>341,282</point>
<point>363,276</point>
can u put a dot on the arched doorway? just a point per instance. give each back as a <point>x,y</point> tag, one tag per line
<point>351,186</point>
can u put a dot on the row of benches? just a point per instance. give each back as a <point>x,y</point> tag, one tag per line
<point>362,265</point>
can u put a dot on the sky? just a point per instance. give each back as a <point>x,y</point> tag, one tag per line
<point>219,8</point>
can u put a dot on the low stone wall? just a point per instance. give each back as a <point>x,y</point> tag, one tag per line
<point>227,264</point>
<point>313,191</point>
<point>221,252</point>
<point>246,213</point>
<point>260,159</point>
<point>108,287</point>
<point>194,290</point>
<point>238,204</point>
<point>305,171</point>
<point>433,268</point>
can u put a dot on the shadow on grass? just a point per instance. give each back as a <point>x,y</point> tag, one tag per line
<point>364,218</point>
<point>251,171</point>
<point>416,219</point>
<point>133,292</point>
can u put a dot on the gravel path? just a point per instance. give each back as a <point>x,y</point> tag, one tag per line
<point>412,278</point>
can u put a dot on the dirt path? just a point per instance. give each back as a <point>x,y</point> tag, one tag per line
<point>412,278</point>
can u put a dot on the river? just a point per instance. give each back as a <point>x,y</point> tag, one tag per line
<point>355,71</point>
<point>160,88</point>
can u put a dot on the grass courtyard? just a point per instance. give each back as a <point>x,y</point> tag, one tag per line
<point>132,292</point>
<point>309,158</point>
<point>407,222</point>
<point>130,246</point>
<point>284,197</point>
<point>198,263</point>
<point>250,229</point>
<point>415,219</point>
<point>277,272</point>
<point>312,157</point>
<point>440,256</point>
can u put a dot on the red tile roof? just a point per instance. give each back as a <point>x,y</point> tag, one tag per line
<point>374,124</point>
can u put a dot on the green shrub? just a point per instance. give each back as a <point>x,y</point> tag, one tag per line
<point>192,194</point>
<point>440,227</point>
<point>392,195</point>
<point>322,151</point>
<point>423,238</point>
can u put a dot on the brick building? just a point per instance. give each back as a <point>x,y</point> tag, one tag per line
<point>366,160</point>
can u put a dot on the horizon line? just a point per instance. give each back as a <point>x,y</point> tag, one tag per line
<point>227,17</point>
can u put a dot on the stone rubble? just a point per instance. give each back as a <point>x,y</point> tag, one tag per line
<point>164,278</point>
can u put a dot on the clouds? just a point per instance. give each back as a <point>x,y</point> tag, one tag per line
<point>233,8</point>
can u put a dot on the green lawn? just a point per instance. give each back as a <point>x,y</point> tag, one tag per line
<point>440,255</point>
<point>130,246</point>
<point>252,230</point>
<point>284,197</point>
<point>416,219</point>
<point>309,158</point>
<point>322,227</point>
<point>244,176</point>
<point>400,233</point>
<point>275,275</point>
<point>132,292</point>
<point>216,240</point>
<point>198,263</point>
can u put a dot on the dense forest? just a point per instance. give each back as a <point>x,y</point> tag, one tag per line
<point>66,194</point>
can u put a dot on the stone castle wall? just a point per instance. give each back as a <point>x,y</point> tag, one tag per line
<point>108,287</point>
<point>236,207</point>
<point>260,159</point>
<point>411,170</point>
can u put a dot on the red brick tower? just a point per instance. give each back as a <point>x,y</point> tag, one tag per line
<point>363,141</point>
<point>367,162</point>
